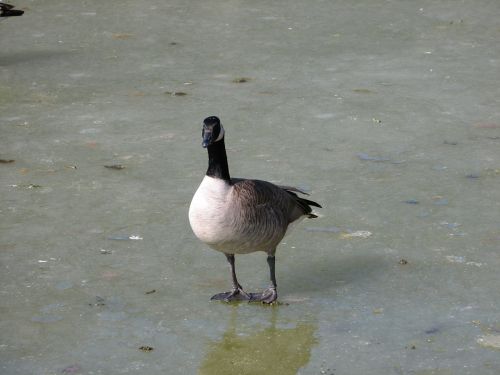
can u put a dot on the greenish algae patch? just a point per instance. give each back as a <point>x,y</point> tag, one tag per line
<point>7,95</point>
<point>276,351</point>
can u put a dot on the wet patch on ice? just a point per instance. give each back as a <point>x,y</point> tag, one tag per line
<point>462,260</point>
<point>325,116</point>
<point>489,341</point>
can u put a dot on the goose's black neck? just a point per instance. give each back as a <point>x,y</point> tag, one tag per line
<point>217,161</point>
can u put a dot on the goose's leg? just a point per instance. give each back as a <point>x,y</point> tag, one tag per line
<point>237,293</point>
<point>270,294</point>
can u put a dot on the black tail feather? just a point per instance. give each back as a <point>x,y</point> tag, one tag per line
<point>310,203</point>
<point>302,202</point>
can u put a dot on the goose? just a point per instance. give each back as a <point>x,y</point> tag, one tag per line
<point>241,216</point>
<point>7,10</point>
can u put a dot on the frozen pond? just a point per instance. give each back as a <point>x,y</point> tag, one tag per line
<point>387,112</point>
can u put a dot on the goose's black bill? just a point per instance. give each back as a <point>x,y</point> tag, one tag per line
<point>207,139</point>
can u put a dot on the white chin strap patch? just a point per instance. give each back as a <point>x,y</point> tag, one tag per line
<point>221,134</point>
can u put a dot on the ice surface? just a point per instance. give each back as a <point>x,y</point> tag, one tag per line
<point>368,103</point>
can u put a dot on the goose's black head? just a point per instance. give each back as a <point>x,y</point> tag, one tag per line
<point>212,131</point>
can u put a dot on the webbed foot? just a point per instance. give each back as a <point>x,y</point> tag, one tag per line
<point>237,294</point>
<point>268,296</point>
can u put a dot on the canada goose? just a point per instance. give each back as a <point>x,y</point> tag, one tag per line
<point>7,10</point>
<point>240,216</point>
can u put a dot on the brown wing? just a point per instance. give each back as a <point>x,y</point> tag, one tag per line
<point>257,195</point>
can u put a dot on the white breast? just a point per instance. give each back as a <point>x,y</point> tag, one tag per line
<point>208,210</point>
